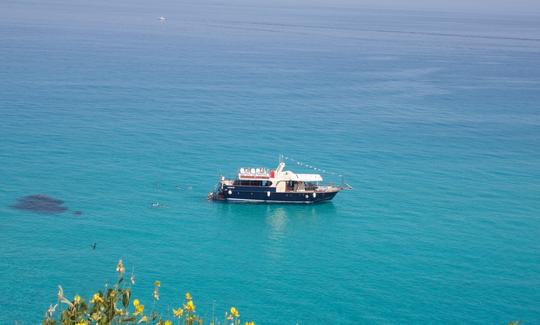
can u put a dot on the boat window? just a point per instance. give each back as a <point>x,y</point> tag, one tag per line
<point>310,186</point>
<point>248,183</point>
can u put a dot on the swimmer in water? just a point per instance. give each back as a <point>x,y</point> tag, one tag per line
<point>157,205</point>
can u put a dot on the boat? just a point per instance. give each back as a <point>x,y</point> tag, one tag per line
<point>263,185</point>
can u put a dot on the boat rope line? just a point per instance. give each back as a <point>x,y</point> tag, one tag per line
<point>299,163</point>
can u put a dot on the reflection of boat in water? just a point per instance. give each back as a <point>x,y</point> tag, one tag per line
<point>274,186</point>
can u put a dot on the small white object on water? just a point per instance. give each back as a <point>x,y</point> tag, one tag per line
<point>162,18</point>
<point>158,205</point>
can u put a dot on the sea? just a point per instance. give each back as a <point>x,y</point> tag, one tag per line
<point>432,116</point>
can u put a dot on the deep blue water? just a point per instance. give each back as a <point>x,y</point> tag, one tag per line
<point>433,118</point>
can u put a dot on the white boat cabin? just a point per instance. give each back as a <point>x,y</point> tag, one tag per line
<point>282,180</point>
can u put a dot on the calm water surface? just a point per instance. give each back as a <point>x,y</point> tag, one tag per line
<point>432,117</point>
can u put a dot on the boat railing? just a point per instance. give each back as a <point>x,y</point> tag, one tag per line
<point>261,171</point>
<point>316,189</point>
<point>328,188</point>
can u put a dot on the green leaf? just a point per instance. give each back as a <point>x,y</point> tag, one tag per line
<point>125,298</point>
<point>130,319</point>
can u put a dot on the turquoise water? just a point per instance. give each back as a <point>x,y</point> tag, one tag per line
<point>432,117</point>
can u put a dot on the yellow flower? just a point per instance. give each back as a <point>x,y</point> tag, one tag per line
<point>77,299</point>
<point>168,322</point>
<point>139,310</point>
<point>234,312</point>
<point>188,296</point>
<point>83,322</point>
<point>178,312</point>
<point>189,306</point>
<point>157,283</point>
<point>250,323</point>
<point>96,298</point>
<point>138,307</point>
<point>120,267</point>
<point>95,317</point>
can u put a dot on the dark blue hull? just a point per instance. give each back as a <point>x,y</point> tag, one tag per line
<point>269,195</point>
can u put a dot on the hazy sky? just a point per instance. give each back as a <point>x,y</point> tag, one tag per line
<point>514,6</point>
<point>476,5</point>
<point>501,6</point>
<point>31,8</point>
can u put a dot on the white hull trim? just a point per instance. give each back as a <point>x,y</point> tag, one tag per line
<point>267,201</point>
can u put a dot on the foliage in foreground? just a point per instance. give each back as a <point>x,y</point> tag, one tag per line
<point>114,306</point>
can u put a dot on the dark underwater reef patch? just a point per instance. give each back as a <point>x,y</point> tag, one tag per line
<point>40,203</point>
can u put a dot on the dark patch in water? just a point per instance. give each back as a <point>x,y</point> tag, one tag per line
<point>40,203</point>
<point>77,213</point>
